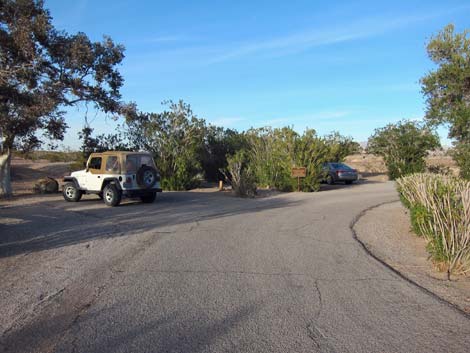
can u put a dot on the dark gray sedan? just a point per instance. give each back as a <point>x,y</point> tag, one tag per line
<point>334,172</point>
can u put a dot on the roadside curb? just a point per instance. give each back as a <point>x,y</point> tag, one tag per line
<point>356,219</point>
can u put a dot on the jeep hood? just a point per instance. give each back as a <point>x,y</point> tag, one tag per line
<point>78,173</point>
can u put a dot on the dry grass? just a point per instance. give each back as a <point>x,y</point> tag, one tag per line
<point>440,211</point>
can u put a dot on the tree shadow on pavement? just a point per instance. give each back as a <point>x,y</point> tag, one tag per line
<point>175,331</point>
<point>342,185</point>
<point>55,224</point>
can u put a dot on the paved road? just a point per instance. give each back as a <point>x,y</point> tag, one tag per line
<point>204,272</point>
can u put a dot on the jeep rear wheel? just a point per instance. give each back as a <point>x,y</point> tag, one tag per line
<point>111,195</point>
<point>149,197</point>
<point>71,192</point>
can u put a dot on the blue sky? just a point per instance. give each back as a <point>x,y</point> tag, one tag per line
<point>350,66</point>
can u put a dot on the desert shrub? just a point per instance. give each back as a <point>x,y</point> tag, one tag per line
<point>311,152</point>
<point>240,175</point>
<point>273,153</point>
<point>269,152</point>
<point>440,211</point>
<point>340,147</point>
<point>403,146</point>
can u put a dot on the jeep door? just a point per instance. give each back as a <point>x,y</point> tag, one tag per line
<point>94,177</point>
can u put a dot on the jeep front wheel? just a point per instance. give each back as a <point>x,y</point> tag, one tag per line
<point>71,192</point>
<point>111,195</point>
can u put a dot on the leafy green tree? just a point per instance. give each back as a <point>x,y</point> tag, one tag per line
<point>403,146</point>
<point>176,138</point>
<point>41,70</point>
<point>103,142</point>
<point>447,89</point>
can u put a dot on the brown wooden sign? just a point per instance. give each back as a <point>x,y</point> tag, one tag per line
<point>299,172</point>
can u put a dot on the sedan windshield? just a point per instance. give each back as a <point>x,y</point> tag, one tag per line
<point>337,166</point>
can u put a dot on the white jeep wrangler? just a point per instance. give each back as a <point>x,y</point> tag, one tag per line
<point>114,174</point>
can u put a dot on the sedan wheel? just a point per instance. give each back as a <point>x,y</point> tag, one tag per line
<point>330,180</point>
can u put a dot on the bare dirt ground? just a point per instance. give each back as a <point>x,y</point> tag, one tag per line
<point>386,232</point>
<point>373,167</point>
<point>25,173</point>
<point>369,166</point>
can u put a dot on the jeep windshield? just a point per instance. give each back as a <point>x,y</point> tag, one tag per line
<point>135,161</point>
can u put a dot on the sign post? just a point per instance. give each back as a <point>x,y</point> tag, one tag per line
<point>298,173</point>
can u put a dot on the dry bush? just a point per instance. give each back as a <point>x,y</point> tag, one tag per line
<point>239,175</point>
<point>440,211</point>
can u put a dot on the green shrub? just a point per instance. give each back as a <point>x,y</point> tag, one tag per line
<point>403,146</point>
<point>273,153</point>
<point>420,216</point>
<point>440,211</point>
<point>339,147</point>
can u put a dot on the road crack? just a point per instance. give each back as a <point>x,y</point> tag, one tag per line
<point>319,339</point>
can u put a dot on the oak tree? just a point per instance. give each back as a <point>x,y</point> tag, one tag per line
<point>43,70</point>
<point>447,89</point>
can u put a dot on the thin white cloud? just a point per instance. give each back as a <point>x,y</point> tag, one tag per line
<point>304,40</point>
<point>329,115</point>
<point>226,122</point>
<point>274,122</point>
<point>305,119</point>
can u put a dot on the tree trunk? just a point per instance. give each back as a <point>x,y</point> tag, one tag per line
<point>5,179</point>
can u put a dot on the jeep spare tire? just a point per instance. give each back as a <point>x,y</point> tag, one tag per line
<point>146,177</point>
